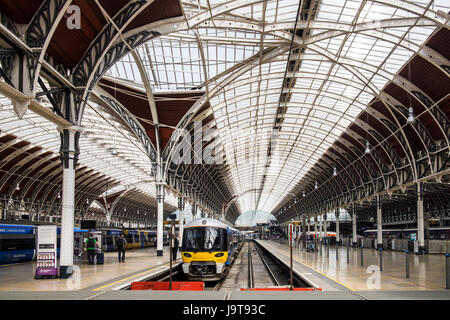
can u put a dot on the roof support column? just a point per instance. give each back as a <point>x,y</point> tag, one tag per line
<point>379,224</point>
<point>315,227</point>
<point>193,210</point>
<point>303,232</point>
<point>69,155</point>
<point>160,200</point>
<point>181,205</point>
<point>420,220</point>
<point>320,228</point>
<point>325,225</point>
<point>355,237</point>
<point>338,236</point>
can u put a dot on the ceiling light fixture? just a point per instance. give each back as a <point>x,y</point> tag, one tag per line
<point>411,117</point>
<point>367,151</point>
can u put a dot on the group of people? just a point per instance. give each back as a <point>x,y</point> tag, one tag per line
<point>91,247</point>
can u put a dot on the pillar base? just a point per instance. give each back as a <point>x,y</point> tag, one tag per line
<point>159,253</point>
<point>65,272</point>
<point>338,243</point>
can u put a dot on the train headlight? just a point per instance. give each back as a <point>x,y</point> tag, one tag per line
<point>218,255</point>
<point>187,255</point>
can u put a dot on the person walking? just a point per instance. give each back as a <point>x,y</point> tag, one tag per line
<point>90,246</point>
<point>121,244</point>
<point>175,247</point>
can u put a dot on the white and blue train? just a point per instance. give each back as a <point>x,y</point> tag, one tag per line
<point>18,240</point>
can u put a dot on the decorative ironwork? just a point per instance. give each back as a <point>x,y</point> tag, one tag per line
<point>42,22</point>
<point>134,125</point>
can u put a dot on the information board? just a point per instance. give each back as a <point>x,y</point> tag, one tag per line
<point>46,253</point>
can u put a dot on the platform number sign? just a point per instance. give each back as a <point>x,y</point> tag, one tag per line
<point>413,237</point>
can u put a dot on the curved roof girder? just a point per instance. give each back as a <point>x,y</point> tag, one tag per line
<point>24,174</point>
<point>426,102</point>
<point>402,135</point>
<point>249,64</point>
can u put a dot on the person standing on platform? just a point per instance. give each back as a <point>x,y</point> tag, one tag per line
<point>175,247</point>
<point>90,246</point>
<point>121,244</point>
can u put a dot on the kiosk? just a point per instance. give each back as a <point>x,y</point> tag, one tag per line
<point>46,266</point>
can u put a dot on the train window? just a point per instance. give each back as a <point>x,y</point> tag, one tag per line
<point>204,239</point>
<point>109,239</point>
<point>17,244</point>
<point>130,238</point>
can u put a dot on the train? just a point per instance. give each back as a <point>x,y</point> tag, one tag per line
<point>18,240</point>
<point>438,233</point>
<point>208,248</point>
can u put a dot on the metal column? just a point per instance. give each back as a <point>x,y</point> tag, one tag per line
<point>320,229</point>
<point>194,210</point>
<point>315,231</point>
<point>420,222</point>
<point>355,237</point>
<point>379,224</point>
<point>69,153</point>
<point>338,236</point>
<point>181,204</point>
<point>303,232</point>
<point>160,223</point>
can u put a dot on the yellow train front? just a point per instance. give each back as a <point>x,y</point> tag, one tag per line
<point>208,248</point>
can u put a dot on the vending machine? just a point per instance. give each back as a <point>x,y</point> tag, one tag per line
<point>46,256</point>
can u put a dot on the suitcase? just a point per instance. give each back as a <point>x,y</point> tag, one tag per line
<point>100,258</point>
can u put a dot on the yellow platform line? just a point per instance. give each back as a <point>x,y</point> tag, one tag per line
<point>133,276</point>
<point>323,274</point>
<point>14,264</point>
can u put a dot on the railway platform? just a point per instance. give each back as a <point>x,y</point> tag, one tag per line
<point>337,280</point>
<point>427,272</point>
<point>139,263</point>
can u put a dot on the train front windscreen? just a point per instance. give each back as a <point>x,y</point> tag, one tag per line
<point>204,239</point>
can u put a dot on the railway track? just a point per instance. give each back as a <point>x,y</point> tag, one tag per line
<point>263,266</point>
<point>278,272</point>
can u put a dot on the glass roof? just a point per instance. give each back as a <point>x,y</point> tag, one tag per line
<point>290,97</point>
<point>101,134</point>
<point>349,50</point>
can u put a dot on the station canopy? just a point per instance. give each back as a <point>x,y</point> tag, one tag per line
<point>343,55</point>
<point>278,81</point>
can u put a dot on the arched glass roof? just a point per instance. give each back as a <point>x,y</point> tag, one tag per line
<point>101,134</point>
<point>296,102</point>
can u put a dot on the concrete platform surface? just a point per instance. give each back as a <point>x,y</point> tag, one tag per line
<point>138,263</point>
<point>427,272</point>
